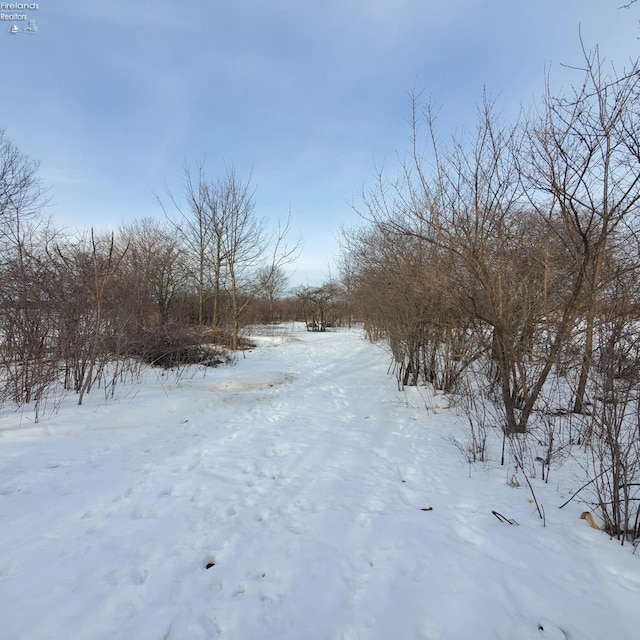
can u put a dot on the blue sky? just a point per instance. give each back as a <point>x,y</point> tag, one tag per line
<point>113,97</point>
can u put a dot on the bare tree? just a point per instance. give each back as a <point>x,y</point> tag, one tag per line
<point>88,269</point>
<point>585,157</point>
<point>272,282</point>
<point>243,242</point>
<point>233,253</point>
<point>25,278</point>
<point>154,266</point>
<point>195,222</point>
<point>28,321</point>
<point>470,207</point>
<point>22,195</point>
<point>320,306</point>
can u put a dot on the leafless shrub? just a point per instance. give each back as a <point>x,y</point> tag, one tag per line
<point>614,428</point>
<point>174,346</point>
<point>479,420</point>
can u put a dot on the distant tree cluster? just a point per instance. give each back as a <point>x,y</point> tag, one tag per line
<point>506,260</point>
<point>322,307</point>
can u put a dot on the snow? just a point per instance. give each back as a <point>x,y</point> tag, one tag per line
<point>325,503</point>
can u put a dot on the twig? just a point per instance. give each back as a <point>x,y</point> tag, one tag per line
<point>534,497</point>
<point>584,486</point>
<point>504,518</point>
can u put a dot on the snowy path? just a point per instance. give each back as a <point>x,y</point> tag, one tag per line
<point>300,475</point>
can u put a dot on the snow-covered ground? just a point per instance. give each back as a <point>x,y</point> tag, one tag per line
<point>296,495</point>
